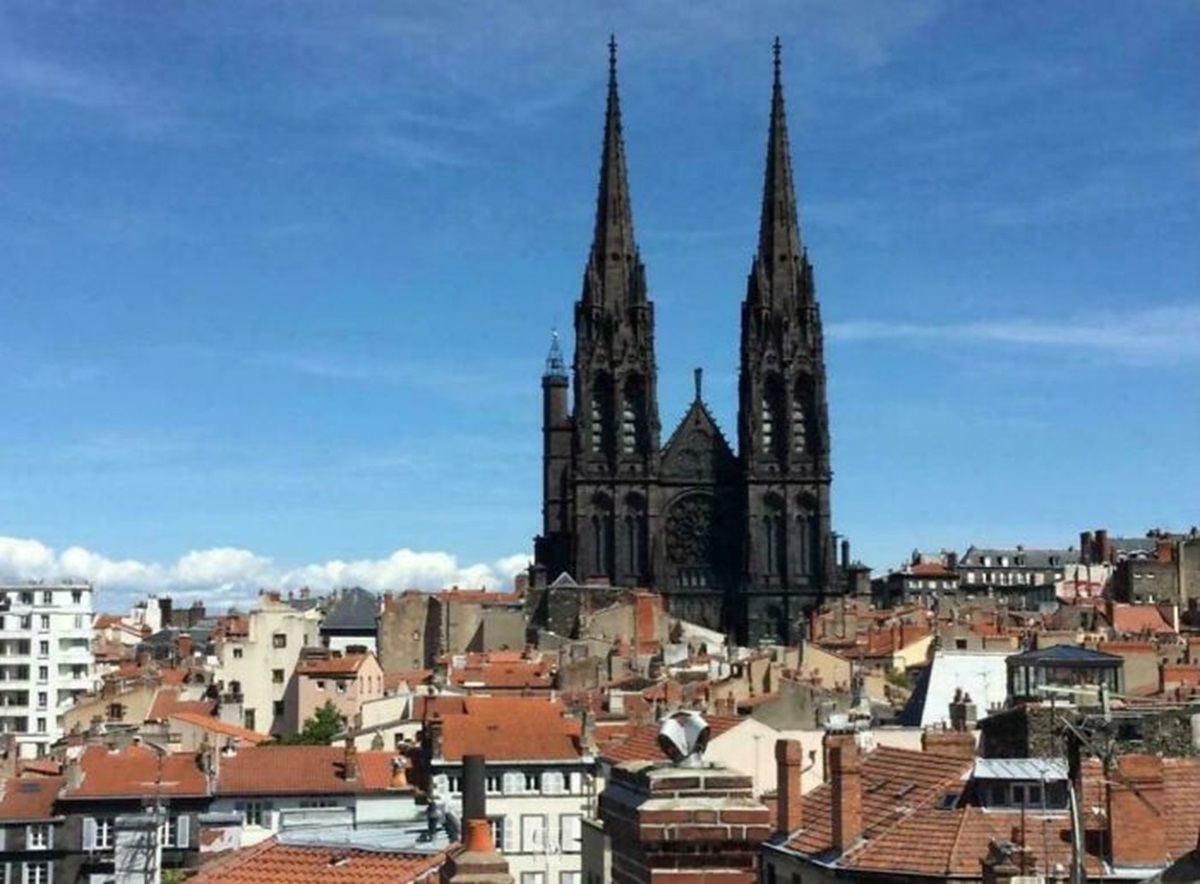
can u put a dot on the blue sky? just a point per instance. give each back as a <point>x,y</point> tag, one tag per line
<point>279,278</point>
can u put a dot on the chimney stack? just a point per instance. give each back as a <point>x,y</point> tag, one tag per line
<point>846,789</point>
<point>1136,812</point>
<point>478,862</point>
<point>789,760</point>
<point>350,761</point>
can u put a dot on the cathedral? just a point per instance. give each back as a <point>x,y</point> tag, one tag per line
<point>738,541</point>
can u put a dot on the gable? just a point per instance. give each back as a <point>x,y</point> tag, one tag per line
<point>697,450</point>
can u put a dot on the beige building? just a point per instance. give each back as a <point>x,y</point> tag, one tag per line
<point>254,668</point>
<point>346,680</point>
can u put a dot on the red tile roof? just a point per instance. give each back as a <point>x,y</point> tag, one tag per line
<point>299,770</point>
<point>167,703</point>
<point>911,835</point>
<point>410,677</point>
<point>930,569</point>
<point>511,729</point>
<point>348,664</point>
<point>893,782</point>
<point>641,744</point>
<point>30,798</point>
<point>1139,619</point>
<point>220,728</point>
<point>136,771</point>
<point>275,863</point>
<point>505,674</point>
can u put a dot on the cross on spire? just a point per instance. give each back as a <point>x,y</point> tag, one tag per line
<point>779,230</point>
<point>614,251</point>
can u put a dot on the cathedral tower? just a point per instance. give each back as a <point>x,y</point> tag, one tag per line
<point>603,530</point>
<point>738,542</point>
<point>783,423</point>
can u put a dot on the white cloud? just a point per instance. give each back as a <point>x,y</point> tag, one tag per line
<point>236,575</point>
<point>1160,335</point>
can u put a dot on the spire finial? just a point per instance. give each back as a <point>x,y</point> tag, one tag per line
<point>612,56</point>
<point>698,379</point>
<point>556,366</point>
<point>779,234</point>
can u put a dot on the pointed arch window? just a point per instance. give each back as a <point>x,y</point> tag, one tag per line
<point>634,540</point>
<point>601,415</point>
<point>633,416</point>
<point>602,544</point>
<point>774,426</point>
<point>774,528</point>
<point>799,423</point>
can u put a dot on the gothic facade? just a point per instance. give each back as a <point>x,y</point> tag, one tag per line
<point>738,541</point>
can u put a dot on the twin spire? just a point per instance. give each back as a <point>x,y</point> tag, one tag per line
<point>779,230</point>
<point>613,244</point>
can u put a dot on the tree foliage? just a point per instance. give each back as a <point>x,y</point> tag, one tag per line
<point>320,729</point>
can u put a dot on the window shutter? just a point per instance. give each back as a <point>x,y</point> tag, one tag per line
<point>89,833</point>
<point>512,843</point>
<point>181,832</point>
<point>570,832</point>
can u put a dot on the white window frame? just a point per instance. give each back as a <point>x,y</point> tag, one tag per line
<point>570,832</point>
<point>39,836</point>
<point>37,872</point>
<point>533,832</point>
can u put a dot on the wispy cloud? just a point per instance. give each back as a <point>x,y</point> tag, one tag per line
<point>1157,336</point>
<point>230,575</point>
<point>99,93</point>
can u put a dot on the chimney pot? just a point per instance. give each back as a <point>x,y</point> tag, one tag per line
<point>846,790</point>
<point>789,760</point>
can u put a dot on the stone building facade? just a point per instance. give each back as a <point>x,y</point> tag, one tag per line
<point>738,541</point>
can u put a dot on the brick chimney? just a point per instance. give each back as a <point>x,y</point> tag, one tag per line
<point>845,780</point>
<point>955,743</point>
<point>1136,823</point>
<point>668,825</point>
<point>350,761</point>
<point>789,760</point>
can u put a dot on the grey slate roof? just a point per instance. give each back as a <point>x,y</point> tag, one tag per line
<point>1058,654</point>
<point>1027,558</point>
<point>356,611</point>
<point>1020,769</point>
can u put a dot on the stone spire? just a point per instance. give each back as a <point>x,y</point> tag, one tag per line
<point>779,251</point>
<point>614,266</point>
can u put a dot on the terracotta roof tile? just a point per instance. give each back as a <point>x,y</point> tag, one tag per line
<point>275,863</point>
<point>505,674</point>
<point>1139,619</point>
<point>511,729</point>
<point>283,770</point>
<point>135,771</point>
<point>344,665</point>
<point>30,798</point>
<point>641,743</point>
<point>893,782</point>
<point>167,703</point>
<point>221,728</point>
<point>411,677</point>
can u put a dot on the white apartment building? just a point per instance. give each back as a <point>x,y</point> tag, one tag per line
<point>45,658</point>
<point>257,666</point>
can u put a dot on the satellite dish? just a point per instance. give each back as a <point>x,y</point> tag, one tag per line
<point>684,737</point>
